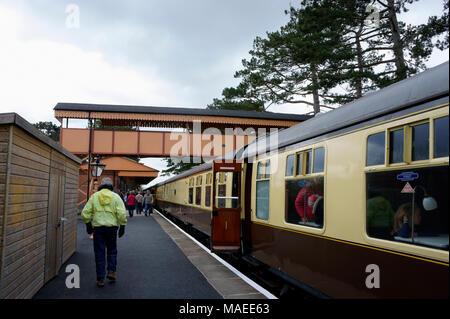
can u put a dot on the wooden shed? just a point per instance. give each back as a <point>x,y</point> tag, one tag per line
<point>38,216</point>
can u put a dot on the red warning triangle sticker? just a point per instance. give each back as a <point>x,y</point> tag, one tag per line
<point>407,189</point>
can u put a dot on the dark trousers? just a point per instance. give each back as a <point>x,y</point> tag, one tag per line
<point>105,238</point>
<point>148,208</point>
<point>138,208</point>
<point>131,209</point>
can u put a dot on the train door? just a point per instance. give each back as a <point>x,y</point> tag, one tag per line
<point>226,213</point>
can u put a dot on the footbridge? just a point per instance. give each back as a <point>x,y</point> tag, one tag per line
<point>206,133</point>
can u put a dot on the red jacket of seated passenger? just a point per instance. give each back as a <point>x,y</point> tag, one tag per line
<point>304,202</point>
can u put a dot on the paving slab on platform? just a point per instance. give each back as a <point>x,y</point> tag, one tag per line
<point>226,282</point>
<point>149,266</point>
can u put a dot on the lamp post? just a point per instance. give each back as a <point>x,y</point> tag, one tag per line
<point>96,170</point>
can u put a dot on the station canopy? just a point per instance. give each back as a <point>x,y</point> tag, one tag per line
<point>174,117</point>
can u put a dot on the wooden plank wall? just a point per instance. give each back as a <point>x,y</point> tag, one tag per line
<point>70,210</point>
<point>4,150</point>
<point>27,208</point>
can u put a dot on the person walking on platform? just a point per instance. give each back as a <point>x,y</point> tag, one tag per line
<point>102,214</point>
<point>139,202</point>
<point>131,203</point>
<point>148,201</point>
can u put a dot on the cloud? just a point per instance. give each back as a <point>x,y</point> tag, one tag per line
<point>38,73</point>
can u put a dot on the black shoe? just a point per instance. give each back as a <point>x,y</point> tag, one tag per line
<point>101,283</point>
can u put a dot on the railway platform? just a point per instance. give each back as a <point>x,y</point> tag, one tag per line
<point>155,261</point>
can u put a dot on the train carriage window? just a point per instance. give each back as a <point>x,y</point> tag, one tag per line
<point>305,196</point>
<point>191,195</point>
<point>299,163</point>
<point>420,142</point>
<point>262,199</point>
<point>208,196</point>
<point>267,169</point>
<point>319,160</point>
<point>227,194</point>
<point>263,190</point>
<point>221,192</point>
<point>396,144</point>
<point>305,202</point>
<point>441,137</point>
<point>208,190</point>
<point>198,196</point>
<point>308,159</point>
<point>389,209</point>
<point>259,171</point>
<point>376,146</point>
<point>290,161</point>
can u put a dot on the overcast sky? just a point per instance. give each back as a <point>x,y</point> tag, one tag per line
<point>138,52</point>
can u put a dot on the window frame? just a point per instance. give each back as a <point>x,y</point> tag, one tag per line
<point>302,175</point>
<point>302,153</point>
<point>389,148</point>
<point>409,156</point>
<point>386,156</point>
<point>286,165</point>
<point>263,178</point>
<point>426,117</point>
<point>407,144</point>
<point>432,137</point>
<point>200,189</point>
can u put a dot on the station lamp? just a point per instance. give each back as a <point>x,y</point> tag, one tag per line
<point>428,203</point>
<point>97,168</point>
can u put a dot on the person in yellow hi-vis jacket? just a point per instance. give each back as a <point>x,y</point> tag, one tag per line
<point>106,210</point>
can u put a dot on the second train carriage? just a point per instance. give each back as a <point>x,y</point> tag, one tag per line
<point>326,210</point>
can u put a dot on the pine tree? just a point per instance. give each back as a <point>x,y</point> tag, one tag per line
<point>329,51</point>
<point>298,60</point>
<point>175,167</point>
<point>236,99</point>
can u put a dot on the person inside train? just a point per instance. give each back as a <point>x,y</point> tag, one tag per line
<point>307,196</point>
<point>422,227</point>
<point>380,216</point>
<point>403,221</point>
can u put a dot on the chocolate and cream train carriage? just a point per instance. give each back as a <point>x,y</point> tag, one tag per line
<point>331,209</point>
